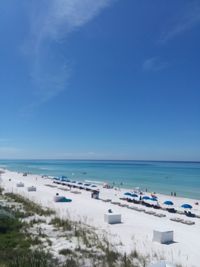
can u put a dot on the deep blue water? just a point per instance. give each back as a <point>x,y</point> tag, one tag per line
<point>164,177</point>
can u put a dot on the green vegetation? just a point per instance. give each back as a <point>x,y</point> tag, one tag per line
<point>15,244</point>
<point>24,242</point>
<point>66,225</point>
<point>30,207</point>
<point>31,259</point>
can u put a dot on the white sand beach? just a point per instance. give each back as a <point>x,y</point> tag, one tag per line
<point>136,229</point>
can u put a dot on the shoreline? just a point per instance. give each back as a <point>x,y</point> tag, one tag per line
<point>118,184</point>
<point>136,228</point>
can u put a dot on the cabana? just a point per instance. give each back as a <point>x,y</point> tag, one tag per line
<point>20,184</point>
<point>112,218</point>
<point>31,189</point>
<point>163,236</point>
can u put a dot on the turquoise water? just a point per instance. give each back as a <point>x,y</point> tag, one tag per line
<point>163,177</point>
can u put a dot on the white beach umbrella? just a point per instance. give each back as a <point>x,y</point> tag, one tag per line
<point>152,202</point>
<point>161,264</point>
<point>130,197</point>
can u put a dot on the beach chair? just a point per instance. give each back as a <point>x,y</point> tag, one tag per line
<point>188,222</point>
<point>115,202</point>
<point>150,212</point>
<point>177,220</point>
<point>171,210</point>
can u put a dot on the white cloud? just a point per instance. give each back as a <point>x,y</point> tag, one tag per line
<point>59,17</point>
<point>154,64</point>
<point>51,22</point>
<point>186,18</point>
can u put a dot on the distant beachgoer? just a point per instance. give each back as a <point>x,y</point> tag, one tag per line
<point>175,194</point>
<point>146,190</point>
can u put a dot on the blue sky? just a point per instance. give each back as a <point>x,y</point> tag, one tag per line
<point>106,79</point>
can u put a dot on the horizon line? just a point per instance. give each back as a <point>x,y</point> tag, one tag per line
<point>141,160</point>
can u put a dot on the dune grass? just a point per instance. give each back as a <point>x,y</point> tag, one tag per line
<point>29,206</point>
<point>18,248</point>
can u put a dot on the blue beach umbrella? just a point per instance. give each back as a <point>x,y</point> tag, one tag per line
<point>186,206</point>
<point>168,202</point>
<point>63,178</point>
<point>146,198</point>
<point>153,199</point>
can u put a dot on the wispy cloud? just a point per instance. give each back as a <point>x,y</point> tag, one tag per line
<point>51,23</point>
<point>185,19</point>
<point>154,64</point>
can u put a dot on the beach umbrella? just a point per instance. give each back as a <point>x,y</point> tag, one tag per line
<point>161,264</point>
<point>186,206</point>
<point>127,194</point>
<point>146,198</point>
<point>153,199</point>
<point>129,197</point>
<point>168,203</point>
<point>63,176</point>
<point>134,195</point>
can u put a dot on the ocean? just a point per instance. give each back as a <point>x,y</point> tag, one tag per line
<point>155,176</point>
